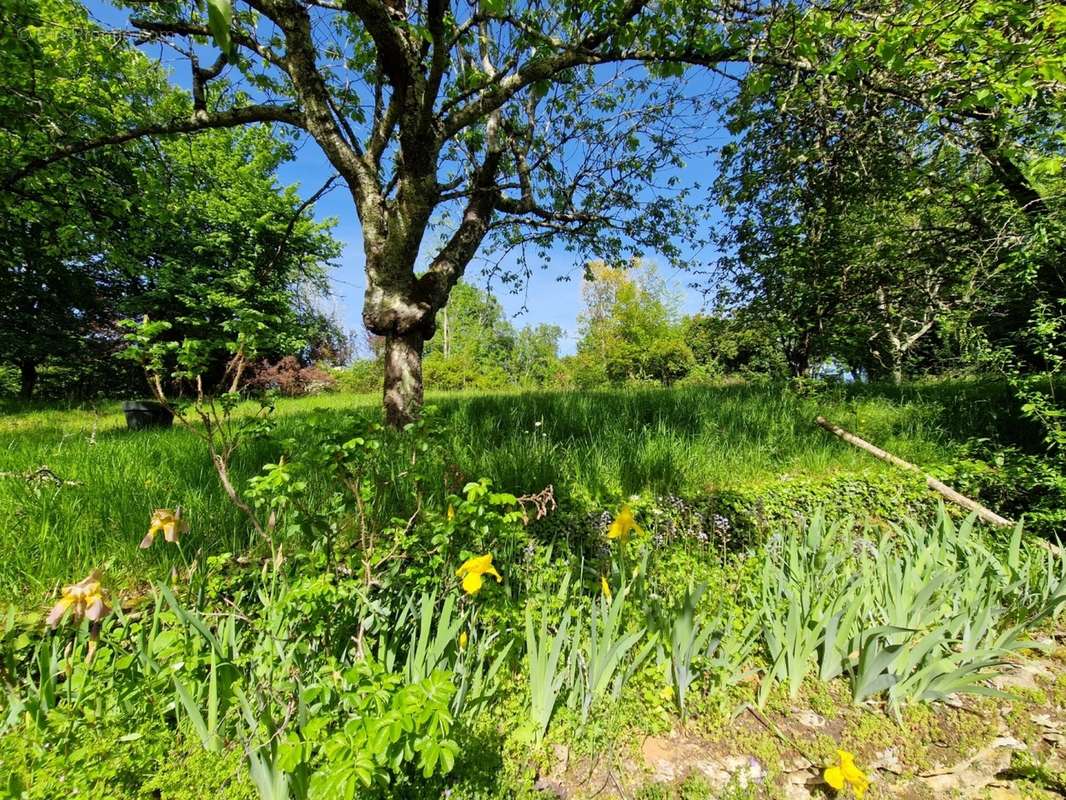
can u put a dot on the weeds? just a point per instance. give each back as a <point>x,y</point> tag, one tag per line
<point>397,608</point>
<point>547,669</point>
<point>603,651</point>
<point>597,447</point>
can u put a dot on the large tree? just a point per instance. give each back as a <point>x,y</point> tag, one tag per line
<point>522,120</point>
<point>57,285</point>
<point>219,243</point>
<point>849,247</point>
<point>897,157</point>
<point>984,78</point>
<point>988,76</point>
<point>630,327</point>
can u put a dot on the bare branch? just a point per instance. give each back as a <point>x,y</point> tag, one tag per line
<point>183,28</point>
<point>199,121</point>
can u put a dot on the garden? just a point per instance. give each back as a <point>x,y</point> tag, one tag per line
<point>481,399</point>
<point>479,609</point>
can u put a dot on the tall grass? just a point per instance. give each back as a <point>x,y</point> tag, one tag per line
<point>601,445</point>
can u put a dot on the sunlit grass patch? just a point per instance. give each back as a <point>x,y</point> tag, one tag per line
<point>595,446</point>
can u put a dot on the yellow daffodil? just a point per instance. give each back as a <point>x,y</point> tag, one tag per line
<point>606,588</point>
<point>84,599</point>
<point>846,774</point>
<point>463,639</point>
<point>169,522</point>
<point>624,526</point>
<point>472,571</point>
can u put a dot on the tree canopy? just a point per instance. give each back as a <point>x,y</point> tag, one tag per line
<point>524,123</point>
<point>891,194</point>
<point>198,234</point>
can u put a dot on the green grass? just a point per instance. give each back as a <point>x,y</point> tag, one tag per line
<point>600,446</point>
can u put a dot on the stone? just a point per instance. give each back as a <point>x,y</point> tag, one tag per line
<point>1008,742</point>
<point>744,769</point>
<point>1003,793</point>
<point>796,791</point>
<point>561,760</point>
<point>1045,721</point>
<point>808,719</point>
<point>547,786</point>
<point>888,761</point>
<point>796,763</point>
<point>800,785</point>
<point>975,773</point>
<point>1023,676</point>
<point>658,754</point>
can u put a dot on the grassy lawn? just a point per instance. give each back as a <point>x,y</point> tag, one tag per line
<point>599,447</point>
<point>686,668</point>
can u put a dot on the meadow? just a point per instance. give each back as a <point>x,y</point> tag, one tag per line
<point>666,594</point>
<point>594,447</point>
<point>639,570</point>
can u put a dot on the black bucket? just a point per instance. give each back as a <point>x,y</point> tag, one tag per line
<point>141,414</point>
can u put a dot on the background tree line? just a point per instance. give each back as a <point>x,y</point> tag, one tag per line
<point>630,332</point>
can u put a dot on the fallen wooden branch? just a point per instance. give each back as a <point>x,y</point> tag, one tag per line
<point>937,486</point>
<point>39,475</point>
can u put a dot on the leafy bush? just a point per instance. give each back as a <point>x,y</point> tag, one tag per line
<point>290,378</point>
<point>362,376</point>
<point>1020,484</point>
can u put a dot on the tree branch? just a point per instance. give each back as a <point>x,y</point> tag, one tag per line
<point>318,111</point>
<point>503,89</point>
<point>448,265</point>
<point>297,214</point>
<point>199,121</point>
<point>183,28</point>
<point>393,48</point>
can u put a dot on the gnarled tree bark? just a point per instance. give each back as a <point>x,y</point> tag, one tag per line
<point>403,395</point>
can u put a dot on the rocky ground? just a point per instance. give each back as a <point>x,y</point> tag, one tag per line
<point>969,747</point>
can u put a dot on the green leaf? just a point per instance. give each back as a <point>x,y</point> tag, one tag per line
<point>219,18</point>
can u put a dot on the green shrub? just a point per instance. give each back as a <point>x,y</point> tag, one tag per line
<point>362,376</point>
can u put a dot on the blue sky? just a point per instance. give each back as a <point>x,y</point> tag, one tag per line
<point>552,295</point>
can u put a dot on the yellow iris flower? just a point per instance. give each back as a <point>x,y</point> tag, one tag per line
<point>846,774</point>
<point>463,639</point>
<point>606,588</point>
<point>472,571</point>
<point>86,598</point>
<point>624,526</point>
<point>169,522</point>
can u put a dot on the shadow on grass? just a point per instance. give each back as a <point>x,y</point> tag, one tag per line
<point>965,409</point>
<point>594,447</point>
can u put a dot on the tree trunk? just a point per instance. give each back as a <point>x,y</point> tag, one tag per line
<point>895,357</point>
<point>447,340</point>
<point>799,361</point>
<point>403,377</point>
<point>1012,179</point>
<point>28,376</point>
